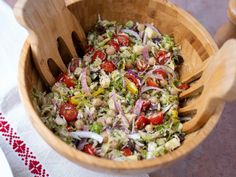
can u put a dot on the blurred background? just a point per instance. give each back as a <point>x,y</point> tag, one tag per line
<point>216,156</point>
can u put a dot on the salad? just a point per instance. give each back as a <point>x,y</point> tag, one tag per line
<point>120,101</point>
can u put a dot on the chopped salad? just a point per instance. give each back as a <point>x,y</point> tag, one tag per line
<point>120,101</point>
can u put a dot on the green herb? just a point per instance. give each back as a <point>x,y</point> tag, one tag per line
<point>96,127</point>
<point>129,24</point>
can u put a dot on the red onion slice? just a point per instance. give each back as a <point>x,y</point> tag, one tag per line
<point>168,61</point>
<point>144,89</point>
<point>141,34</point>
<point>138,107</point>
<point>119,110</point>
<point>154,29</point>
<point>82,143</point>
<point>85,87</point>
<point>132,72</point>
<point>87,134</point>
<point>131,33</point>
<point>116,102</point>
<point>150,74</point>
<point>167,69</point>
<point>166,108</point>
<point>144,39</point>
<point>123,82</point>
<point>125,122</point>
<point>136,75</point>
<point>145,53</point>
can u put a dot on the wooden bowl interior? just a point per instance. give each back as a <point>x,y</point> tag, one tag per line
<point>197,46</point>
<point>165,16</point>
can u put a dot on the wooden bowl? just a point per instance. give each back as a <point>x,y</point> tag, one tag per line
<point>197,46</point>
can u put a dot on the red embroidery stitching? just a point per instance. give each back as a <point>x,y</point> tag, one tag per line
<point>18,145</point>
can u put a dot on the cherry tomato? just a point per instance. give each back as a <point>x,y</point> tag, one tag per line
<point>151,83</point>
<point>89,49</point>
<point>68,111</point>
<point>126,151</point>
<point>123,39</point>
<point>146,105</point>
<point>183,86</point>
<point>108,66</point>
<point>74,64</point>
<point>114,44</point>
<point>161,57</point>
<point>141,122</point>
<point>133,79</point>
<point>141,65</point>
<point>99,54</point>
<point>161,72</point>
<point>89,149</point>
<point>157,119</point>
<point>66,79</point>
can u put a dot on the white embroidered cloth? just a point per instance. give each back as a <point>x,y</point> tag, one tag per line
<point>27,153</point>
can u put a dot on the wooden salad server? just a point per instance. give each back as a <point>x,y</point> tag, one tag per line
<point>217,84</point>
<point>53,31</point>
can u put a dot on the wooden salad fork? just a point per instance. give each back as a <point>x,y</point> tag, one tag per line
<point>216,84</point>
<point>53,30</point>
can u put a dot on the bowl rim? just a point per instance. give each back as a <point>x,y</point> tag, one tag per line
<point>100,164</point>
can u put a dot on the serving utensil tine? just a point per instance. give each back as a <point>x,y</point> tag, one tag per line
<point>50,25</point>
<point>217,83</point>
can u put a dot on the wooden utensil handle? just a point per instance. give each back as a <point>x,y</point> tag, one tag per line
<point>228,30</point>
<point>223,78</point>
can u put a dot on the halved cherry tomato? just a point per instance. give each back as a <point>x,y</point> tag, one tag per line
<point>160,72</point>
<point>114,44</point>
<point>157,119</point>
<point>133,79</point>
<point>141,65</point>
<point>66,79</point>
<point>183,86</point>
<point>161,57</point>
<point>89,49</point>
<point>141,122</point>
<point>123,39</point>
<point>108,66</point>
<point>126,151</point>
<point>151,83</point>
<point>68,111</point>
<point>146,105</point>
<point>89,149</point>
<point>99,54</point>
<point>75,62</point>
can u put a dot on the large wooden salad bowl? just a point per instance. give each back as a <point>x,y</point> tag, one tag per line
<point>197,46</point>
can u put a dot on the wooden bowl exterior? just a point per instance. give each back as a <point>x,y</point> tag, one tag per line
<point>197,45</point>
